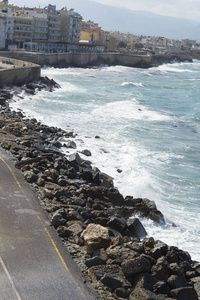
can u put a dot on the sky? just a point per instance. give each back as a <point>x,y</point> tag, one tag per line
<point>188,9</point>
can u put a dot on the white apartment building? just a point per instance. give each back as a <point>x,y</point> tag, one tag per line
<point>39,29</point>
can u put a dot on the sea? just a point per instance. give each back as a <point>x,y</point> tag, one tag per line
<point>148,124</point>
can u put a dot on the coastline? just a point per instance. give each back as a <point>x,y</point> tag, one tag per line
<point>78,197</point>
<point>84,60</point>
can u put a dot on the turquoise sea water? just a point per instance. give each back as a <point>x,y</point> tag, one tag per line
<point>149,124</point>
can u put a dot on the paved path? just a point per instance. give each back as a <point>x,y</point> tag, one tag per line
<point>34,264</point>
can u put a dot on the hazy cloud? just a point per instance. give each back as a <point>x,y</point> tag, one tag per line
<point>189,9</point>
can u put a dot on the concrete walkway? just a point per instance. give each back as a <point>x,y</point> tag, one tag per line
<point>34,264</point>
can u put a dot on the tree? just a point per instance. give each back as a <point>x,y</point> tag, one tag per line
<point>122,44</point>
<point>138,45</point>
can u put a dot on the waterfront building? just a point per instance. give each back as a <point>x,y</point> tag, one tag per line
<point>37,29</point>
<point>2,31</point>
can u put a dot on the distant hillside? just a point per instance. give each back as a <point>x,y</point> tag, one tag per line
<point>136,22</point>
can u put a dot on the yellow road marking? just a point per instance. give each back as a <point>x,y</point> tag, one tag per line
<point>47,232</point>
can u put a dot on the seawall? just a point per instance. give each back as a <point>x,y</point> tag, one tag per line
<point>17,72</point>
<point>94,59</point>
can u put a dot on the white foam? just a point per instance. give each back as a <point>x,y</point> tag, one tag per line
<point>132,83</point>
<point>129,110</point>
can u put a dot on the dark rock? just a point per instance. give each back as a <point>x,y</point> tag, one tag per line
<point>113,281</point>
<point>62,180</point>
<point>135,266</point>
<point>97,272</point>
<point>71,144</point>
<point>196,267</point>
<point>27,161</point>
<point>87,175</point>
<point>76,228</point>
<point>122,293</point>
<point>116,223</point>
<point>161,287</point>
<point>176,282</point>
<point>161,269</point>
<point>106,180</point>
<point>41,181</point>
<point>59,218</point>
<point>175,269</point>
<point>196,282</point>
<point>143,294</point>
<point>96,178</point>
<point>75,158</point>
<point>63,231</point>
<point>136,246</point>
<point>144,280</point>
<point>96,192</point>
<point>149,242</point>
<point>30,177</point>
<point>86,152</point>
<point>121,252</point>
<point>185,293</point>
<point>102,220</point>
<point>160,249</point>
<point>78,201</point>
<point>96,260</point>
<point>136,228</point>
<point>115,197</point>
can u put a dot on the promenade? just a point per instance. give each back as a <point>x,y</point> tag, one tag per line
<point>34,264</point>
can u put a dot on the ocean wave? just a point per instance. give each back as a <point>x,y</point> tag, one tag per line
<point>132,83</point>
<point>129,110</point>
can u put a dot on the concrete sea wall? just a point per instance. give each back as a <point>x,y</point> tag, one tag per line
<point>17,72</point>
<point>95,59</point>
<point>19,67</point>
<point>81,59</point>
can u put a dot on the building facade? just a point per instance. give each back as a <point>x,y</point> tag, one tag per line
<point>38,29</point>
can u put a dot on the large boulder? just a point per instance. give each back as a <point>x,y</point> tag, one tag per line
<point>136,228</point>
<point>114,281</point>
<point>161,269</point>
<point>95,237</point>
<point>59,218</point>
<point>185,293</point>
<point>30,176</point>
<point>144,280</point>
<point>176,282</point>
<point>117,223</point>
<point>132,267</point>
<point>121,252</point>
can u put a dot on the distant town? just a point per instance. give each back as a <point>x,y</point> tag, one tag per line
<point>57,31</point>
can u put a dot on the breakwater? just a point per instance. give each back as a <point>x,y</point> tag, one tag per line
<point>17,72</point>
<point>96,223</point>
<point>63,60</point>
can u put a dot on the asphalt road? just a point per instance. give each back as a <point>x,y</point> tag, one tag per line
<point>34,263</point>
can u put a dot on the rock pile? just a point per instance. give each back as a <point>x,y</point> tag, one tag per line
<point>99,227</point>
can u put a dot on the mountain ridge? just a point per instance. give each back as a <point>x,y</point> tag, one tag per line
<point>135,22</point>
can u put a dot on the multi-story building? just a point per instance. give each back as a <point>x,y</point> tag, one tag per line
<point>75,24</point>
<point>89,25</point>
<point>3,27</point>
<point>39,29</point>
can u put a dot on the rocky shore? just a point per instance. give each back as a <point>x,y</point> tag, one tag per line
<point>98,226</point>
